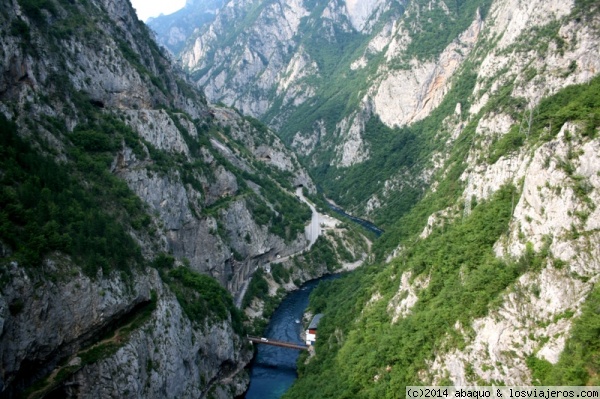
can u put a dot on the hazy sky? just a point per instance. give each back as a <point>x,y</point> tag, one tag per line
<point>153,8</point>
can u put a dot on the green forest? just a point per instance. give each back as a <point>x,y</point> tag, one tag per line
<point>44,208</point>
<point>361,352</point>
<point>69,212</point>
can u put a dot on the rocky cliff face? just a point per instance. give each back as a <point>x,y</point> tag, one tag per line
<point>92,94</point>
<point>386,71</point>
<point>395,106</point>
<point>267,43</point>
<point>552,215</point>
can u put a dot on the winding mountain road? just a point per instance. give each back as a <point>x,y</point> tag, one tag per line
<point>312,231</point>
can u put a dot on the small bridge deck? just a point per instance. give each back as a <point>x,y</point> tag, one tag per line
<point>274,342</point>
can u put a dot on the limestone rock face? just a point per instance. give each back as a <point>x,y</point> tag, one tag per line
<point>353,150</point>
<point>191,166</point>
<point>270,71</point>
<point>559,67</point>
<point>517,325</point>
<point>173,357</point>
<point>557,180</point>
<point>272,152</point>
<point>360,12</point>
<point>266,70</point>
<point>550,207</point>
<point>263,62</point>
<point>68,313</point>
<point>407,96</point>
<point>406,298</point>
<point>157,127</point>
<point>551,215</point>
<point>177,204</point>
<point>164,196</point>
<point>167,355</point>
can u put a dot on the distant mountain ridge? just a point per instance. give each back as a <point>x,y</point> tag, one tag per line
<point>173,30</point>
<point>320,72</point>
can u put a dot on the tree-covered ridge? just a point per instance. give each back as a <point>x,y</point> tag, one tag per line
<point>202,298</point>
<point>464,279</point>
<point>438,26</point>
<point>373,350</point>
<point>97,132</point>
<point>362,350</point>
<point>579,364</point>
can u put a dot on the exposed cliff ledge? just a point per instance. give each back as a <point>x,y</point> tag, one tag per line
<point>207,240</point>
<point>407,96</point>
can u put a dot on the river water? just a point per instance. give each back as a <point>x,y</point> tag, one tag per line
<point>365,223</point>
<point>273,368</point>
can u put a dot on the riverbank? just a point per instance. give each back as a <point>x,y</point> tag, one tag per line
<point>273,369</point>
<point>337,250</point>
<point>363,222</point>
<point>332,246</point>
<point>318,225</point>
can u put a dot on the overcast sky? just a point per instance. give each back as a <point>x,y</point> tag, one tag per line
<point>153,8</point>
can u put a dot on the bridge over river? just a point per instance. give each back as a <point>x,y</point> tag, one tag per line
<point>274,342</point>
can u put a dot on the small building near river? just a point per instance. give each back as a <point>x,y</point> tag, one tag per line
<point>311,333</point>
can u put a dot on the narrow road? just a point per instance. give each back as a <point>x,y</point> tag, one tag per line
<point>313,230</point>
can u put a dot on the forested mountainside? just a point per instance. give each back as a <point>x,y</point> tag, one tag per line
<point>341,80</point>
<point>469,130</point>
<point>132,213</point>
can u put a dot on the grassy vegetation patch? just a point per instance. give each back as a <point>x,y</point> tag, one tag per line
<point>438,26</point>
<point>579,363</point>
<point>258,288</point>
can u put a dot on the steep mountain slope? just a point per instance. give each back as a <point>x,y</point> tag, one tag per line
<point>341,83</point>
<point>318,72</point>
<point>131,212</point>
<point>495,280</point>
<point>470,131</point>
